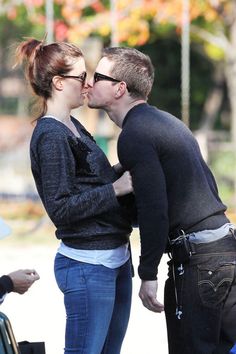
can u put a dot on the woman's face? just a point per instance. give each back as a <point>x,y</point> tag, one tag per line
<point>74,83</point>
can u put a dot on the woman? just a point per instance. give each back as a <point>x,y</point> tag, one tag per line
<point>80,192</point>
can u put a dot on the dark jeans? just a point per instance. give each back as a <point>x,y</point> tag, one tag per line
<point>206,293</point>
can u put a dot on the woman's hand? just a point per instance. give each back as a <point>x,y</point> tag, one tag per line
<point>123,185</point>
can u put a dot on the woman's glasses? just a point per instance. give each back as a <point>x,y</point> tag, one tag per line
<point>81,77</point>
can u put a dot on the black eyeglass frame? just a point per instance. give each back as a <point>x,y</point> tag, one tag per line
<point>99,77</point>
<point>82,77</point>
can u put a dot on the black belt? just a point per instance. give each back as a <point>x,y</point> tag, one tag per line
<point>181,249</point>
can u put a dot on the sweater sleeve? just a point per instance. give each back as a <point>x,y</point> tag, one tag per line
<point>6,286</point>
<point>137,153</point>
<point>57,170</point>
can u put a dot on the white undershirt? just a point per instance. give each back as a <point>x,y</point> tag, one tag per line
<point>113,258</point>
<point>206,236</point>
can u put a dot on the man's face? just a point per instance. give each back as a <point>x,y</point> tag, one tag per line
<point>101,93</point>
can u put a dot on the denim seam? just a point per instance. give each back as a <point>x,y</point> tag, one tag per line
<point>86,335</point>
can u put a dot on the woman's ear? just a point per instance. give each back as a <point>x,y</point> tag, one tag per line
<point>57,82</point>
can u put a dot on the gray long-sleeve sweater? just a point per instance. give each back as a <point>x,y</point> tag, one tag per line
<point>74,180</point>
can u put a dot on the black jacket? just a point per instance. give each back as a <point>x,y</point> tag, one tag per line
<point>6,285</point>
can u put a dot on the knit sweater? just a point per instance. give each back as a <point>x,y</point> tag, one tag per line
<point>74,180</point>
<point>174,188</point>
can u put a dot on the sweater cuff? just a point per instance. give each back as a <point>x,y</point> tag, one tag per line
<point>6,285</point>
<point>111,197</point>
<point>145,273</point>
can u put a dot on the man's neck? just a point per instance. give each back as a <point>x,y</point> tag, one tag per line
<point>117,114</point>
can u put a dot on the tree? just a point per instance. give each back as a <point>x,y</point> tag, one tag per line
<point>139,22</point>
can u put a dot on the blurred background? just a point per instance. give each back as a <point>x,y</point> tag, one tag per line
<point>193,47</point>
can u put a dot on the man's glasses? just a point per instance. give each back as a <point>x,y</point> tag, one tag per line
<point>81,77</point>
<point>99,77</point>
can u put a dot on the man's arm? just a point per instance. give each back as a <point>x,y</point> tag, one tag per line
<point>139,155</point>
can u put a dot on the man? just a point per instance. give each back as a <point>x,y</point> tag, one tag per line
<point>178,208</point>
<point>18,281</point>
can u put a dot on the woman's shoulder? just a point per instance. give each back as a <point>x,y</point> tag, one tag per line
<point>48,130</point>
<point>49,126</point>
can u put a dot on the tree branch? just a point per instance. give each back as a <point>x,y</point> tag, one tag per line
<point>220,41</point>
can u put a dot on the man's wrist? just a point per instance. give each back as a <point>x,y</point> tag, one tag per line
<point>145,274</point>
<point>118,168</point>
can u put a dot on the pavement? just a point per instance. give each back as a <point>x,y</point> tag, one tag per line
<point>38,315</point>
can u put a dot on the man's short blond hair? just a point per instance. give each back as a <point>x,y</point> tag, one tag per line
<point>133,67</point>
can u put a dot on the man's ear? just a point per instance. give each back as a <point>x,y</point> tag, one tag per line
<point>121,89</point>
<point>57,82</point>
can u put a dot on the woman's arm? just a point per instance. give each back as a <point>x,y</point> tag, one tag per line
<point>57,171</point>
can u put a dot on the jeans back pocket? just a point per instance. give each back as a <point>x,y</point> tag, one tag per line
<point>214,282</point>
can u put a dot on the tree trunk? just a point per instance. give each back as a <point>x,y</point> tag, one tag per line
<point>231,83</point>
<point>210,110</point>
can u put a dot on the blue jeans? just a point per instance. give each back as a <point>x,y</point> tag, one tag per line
<point>97,301</point>
<point>233,350</point>
<point>206,294</point>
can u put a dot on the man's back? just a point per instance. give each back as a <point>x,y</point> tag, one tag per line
<point>173,186</point>
<point>162,141</point>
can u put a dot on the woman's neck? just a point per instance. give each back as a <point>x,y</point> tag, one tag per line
<point>58,111</point>
<point>58,116</point>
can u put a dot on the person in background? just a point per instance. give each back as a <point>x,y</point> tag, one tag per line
<point>178,208</point>
<point>18,281</point>
<point>82,194</point>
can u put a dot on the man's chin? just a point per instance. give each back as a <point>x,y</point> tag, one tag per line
<point>92,105</point>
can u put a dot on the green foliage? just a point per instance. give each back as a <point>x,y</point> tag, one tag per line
<point>165,55</point>
<point>13,29</point>
<point>163,47</point>
<point>8,105</point>
<point>166,94</point>
<point>214,52</point>
<point>57,11</point>
<point>223,165</point>
<point>88,11</point>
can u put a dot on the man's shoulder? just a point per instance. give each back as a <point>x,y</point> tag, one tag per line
<point>148,119</point>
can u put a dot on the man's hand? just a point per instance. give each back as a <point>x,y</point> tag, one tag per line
<point>148,295</point>
<point>22,279</point>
